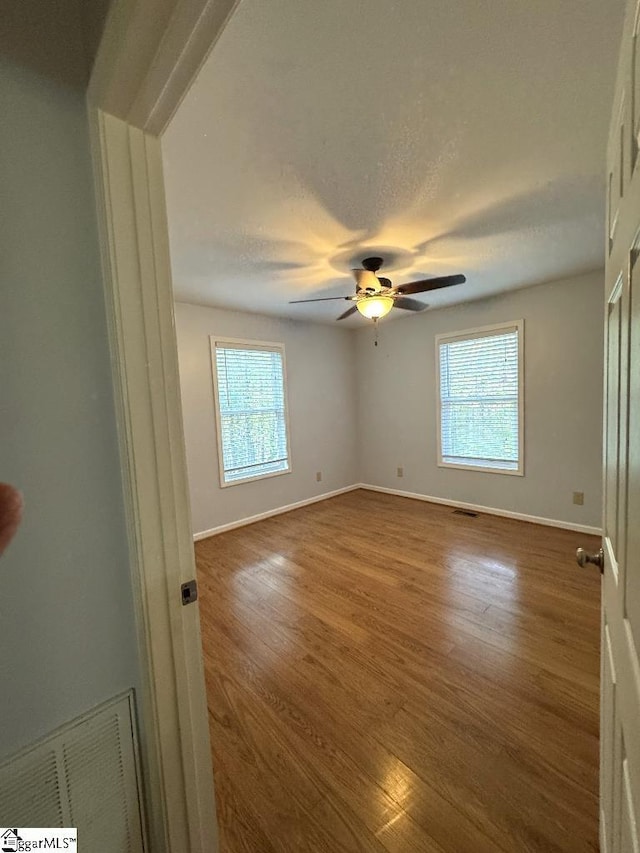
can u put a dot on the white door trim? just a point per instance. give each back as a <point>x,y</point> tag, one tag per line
<point>147,59</point>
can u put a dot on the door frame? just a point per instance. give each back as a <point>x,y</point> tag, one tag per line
<point>149,54</point>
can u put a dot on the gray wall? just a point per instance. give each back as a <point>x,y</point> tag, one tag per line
<point>322,412</point>
<point>341,386</point>
<point>66,619</point>
<point>563,402</point>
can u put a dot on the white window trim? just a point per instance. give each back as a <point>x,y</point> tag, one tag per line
<point>469,334</point>
<point>241,343</point>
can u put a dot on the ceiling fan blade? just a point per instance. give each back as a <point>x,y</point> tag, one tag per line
<point>430,284</point>
<point>409,304</point>
<point>347,313</point>
<point>366,279</point>
<point>320,299</point>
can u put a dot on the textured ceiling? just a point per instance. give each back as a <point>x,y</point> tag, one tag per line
<point>447,136</point>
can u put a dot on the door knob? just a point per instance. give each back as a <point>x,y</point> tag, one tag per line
<point>583,557</point>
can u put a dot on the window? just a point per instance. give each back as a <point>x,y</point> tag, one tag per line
<point>480,393</point>
<point>251,410</point>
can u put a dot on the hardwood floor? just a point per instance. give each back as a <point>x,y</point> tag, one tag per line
<point>384,675</point>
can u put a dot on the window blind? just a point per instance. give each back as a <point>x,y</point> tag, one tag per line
<point>252,411</point>
<point>479,400</point>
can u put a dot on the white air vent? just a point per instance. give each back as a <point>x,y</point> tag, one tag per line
<point>30,791</point>
<point>83,775</point>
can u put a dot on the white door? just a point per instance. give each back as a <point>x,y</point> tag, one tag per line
<point>620,668</point>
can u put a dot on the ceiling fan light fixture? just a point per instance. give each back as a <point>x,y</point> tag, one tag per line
<point>374,307</point>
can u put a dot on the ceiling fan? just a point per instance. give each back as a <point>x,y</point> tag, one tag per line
<point>376,296</point>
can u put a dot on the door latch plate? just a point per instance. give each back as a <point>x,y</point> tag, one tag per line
<point>189,592</point>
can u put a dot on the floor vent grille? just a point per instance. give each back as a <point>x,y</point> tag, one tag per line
<point>82,775</point>
<point>466,512</point>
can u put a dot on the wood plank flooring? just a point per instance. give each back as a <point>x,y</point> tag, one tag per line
<point>384,675</point>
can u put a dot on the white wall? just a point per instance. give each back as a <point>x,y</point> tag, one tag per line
<point>322,412</point>
<point>563,402</point>
<point>67,636</point>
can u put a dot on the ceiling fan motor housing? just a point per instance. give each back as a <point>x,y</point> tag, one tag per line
<point>372,264</point>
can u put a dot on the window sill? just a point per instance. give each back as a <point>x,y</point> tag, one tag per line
<point>460,466</point>
<point>224,485</point>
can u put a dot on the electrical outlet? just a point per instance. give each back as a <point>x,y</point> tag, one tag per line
<point>400,471</point>
<point>578,498</point>
<point>318,476</point>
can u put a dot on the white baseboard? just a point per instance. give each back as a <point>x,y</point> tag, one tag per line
<point>242,522</point>
<point>520,516</point>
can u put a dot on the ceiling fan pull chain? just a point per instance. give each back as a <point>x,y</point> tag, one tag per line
<point>375,326</point>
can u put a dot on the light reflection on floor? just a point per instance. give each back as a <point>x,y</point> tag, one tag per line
<point>398,783</point>
<point>256,581</point>
<point>466,562</point>
<point>497,575</point>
